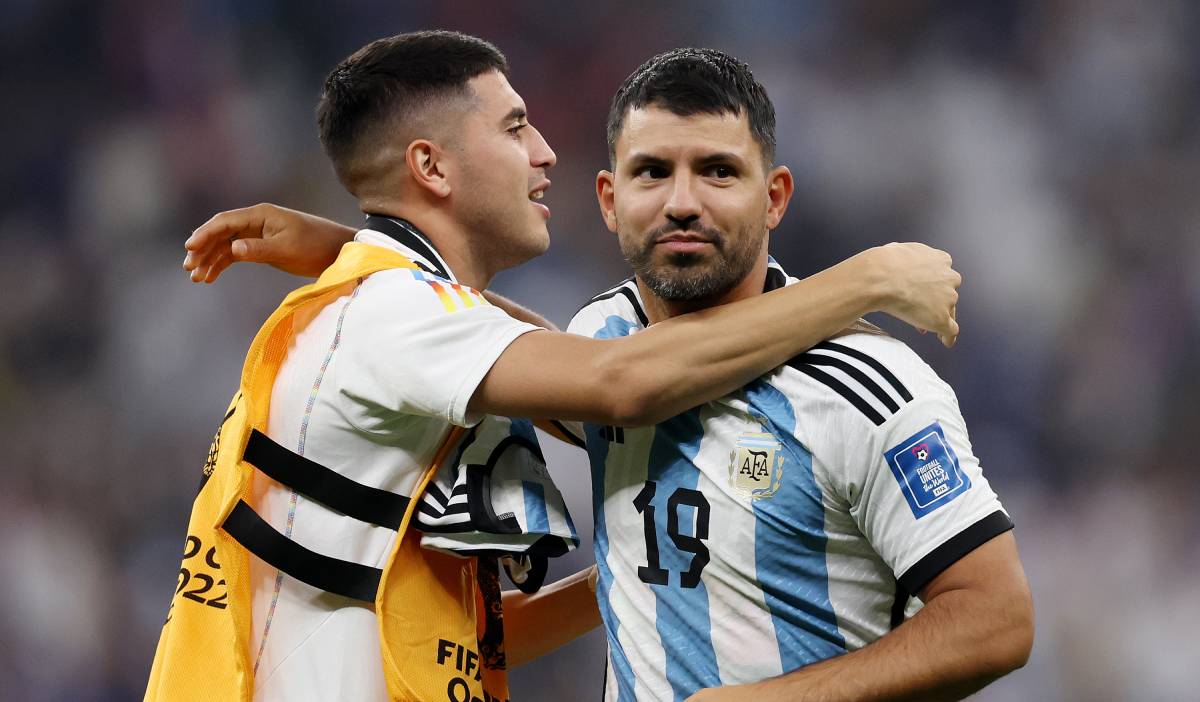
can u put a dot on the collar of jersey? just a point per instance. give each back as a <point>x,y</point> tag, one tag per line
<point>403,236</point>
<point>776,278</point>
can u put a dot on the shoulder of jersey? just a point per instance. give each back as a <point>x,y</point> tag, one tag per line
<point>865,372</point>
<point>621,301</point>
<point>418,286</point>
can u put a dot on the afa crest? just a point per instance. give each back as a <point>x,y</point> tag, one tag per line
<point>756,465</point>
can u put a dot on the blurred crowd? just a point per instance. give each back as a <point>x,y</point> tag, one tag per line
<point>1052,147</point>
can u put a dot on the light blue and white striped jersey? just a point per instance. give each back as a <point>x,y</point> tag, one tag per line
<point>783,524</point>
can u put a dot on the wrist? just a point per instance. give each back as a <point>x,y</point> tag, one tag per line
<point>873,288</point>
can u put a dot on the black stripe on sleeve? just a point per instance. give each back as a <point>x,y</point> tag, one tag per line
<point>431,510</point>
<point>433,492</point>
<point>879,367</point>
<point>566,433</point>
<point>452,528</point>
<point>817,359</point>
<point>344,578</point>
<point>840,388</point>
<point>326,486</point>
<point>946,555</point>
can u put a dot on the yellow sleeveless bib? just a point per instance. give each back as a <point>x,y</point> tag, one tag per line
<point>436,612</point>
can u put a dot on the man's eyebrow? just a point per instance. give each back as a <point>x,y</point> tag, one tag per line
<point>514,113</point>
<point>720,157</point>
<point>644,159</point>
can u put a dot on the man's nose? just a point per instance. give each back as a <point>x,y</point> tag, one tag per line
<point>682,205</point>
<point>683,223</point>
<point>540,153</point>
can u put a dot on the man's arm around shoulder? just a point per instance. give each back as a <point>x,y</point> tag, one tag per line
<point>678,363</point>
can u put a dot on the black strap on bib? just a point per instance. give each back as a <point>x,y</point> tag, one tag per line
<point>345,578</point>
<point>330,488</point>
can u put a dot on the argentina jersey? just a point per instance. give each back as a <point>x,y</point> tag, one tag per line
<point>783,524</point>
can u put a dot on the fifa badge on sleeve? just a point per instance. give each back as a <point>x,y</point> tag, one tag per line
<point>927,470</point>
<point>756,465</point>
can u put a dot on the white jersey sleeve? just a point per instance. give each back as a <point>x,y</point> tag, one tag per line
<point>914,487</point>
<point>423,344</point>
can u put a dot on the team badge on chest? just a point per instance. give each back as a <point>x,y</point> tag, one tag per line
<point>756,465</point>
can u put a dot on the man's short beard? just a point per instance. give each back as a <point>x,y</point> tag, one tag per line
<point>685,277</point>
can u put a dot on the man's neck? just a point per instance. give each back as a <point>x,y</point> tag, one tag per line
<point>448,237</point>
<point>658,309</point>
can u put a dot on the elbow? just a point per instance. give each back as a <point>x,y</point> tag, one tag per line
<point>631,408</point>
<point>1012,640</point>
<point>624,396</point>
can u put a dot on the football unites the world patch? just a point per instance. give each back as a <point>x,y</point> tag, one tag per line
<point>756,465</point>
<point>927,469</point>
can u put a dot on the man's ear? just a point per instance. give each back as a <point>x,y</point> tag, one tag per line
<point>429,164</point>
<point>779,193</point>
<point>606,197</point>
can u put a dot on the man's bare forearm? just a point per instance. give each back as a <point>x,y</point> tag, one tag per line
<point>676,364</point>
<point>551,617</point>
<point>949,650</point>
<point>976,626</point>
<point>685,360</point>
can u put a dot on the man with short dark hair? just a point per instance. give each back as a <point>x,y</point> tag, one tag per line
<point>767,545</point>
<point>357,390</point>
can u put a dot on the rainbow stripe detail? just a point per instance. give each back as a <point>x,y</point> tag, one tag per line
<point>454,297</point>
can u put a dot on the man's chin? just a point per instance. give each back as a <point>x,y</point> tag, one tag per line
<point>679,285</point>
<point>538,242</point>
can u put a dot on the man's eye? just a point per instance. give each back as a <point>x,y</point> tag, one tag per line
<point>722,172</point>
<point>515,130</point>
<point>650,172</point>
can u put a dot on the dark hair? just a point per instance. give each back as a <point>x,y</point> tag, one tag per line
<point>388,79</point>
<point>696,81</point>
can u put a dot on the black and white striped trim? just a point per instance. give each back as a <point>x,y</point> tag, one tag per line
<point>627,289</point>
<point>776,276</point>
<point>467,506</point>
<point>438,512</point>
<point>408,235</point>
<point>859,378</point>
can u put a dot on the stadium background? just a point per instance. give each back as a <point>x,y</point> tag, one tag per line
<point>1053,147</point>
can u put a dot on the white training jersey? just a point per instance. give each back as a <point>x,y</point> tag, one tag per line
<point>371,386</point>
<point>782,524</point>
